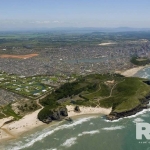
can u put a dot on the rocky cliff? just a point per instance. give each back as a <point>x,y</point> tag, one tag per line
<point>48,115</point>
<point>143,105</point>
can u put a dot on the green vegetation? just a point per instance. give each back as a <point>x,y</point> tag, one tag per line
<point>2,116</point>
<point>26,106</point>
<point>44,113</point>
<point>51,39</point>
<point>127,95</point>
<point>47,111</point>
<point>105,90</point>
<point>7,110</point>
<point>140,61</point>
<point>108,90</point>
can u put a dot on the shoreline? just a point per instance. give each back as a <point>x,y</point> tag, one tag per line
<point>29,122</point>
<point>143,106</point>
<point>16,128</point>
<point>132,71</point>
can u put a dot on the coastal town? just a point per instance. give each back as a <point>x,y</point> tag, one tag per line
<point>31,79</point>
<point>74,75</point>
<point>79,59</point>
<point>62,63</point>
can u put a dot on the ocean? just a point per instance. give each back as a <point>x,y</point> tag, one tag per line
<point>88,132</point>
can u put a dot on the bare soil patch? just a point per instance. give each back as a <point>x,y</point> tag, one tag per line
<point>18,56</point>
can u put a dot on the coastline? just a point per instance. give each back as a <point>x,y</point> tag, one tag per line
<point>14,129</point>
<point>29,122</point>
<point>131,72</point>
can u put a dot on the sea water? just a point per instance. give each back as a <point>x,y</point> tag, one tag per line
<point>87,133</point>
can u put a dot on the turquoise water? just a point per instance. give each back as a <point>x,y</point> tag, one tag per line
<point>144,73</point>
<point>87,133</point>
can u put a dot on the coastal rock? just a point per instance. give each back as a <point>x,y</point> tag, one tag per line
<point>77,109</point>
<point>147,82</point>
<point>63,111</point>
<point>48,120</point>
<point>115,115</point>
<point>55,115</point>
<point>48,116</point>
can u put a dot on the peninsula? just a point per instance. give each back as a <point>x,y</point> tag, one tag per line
<point>112,95</point>
<point>124,95</point>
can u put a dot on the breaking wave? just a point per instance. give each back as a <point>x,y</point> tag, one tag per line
<point>20,145</point>
<point>113,128</point>
<point>69,142</point>
<point>89,132</point>
<point>138,120</point>
<point>132,116</point>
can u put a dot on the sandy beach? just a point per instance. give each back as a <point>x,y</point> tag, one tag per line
<point>15,128</point>
<point>27,123</point>
<point>104,44</point>
<point>87,110</point>
<point>131,72</point>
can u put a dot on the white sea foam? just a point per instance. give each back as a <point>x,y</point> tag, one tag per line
<point>138,120</point>
<point>145,115</point>
<point>117,120</point>
<point>91,123</point>
<point>89,132</point>
<point>139,113</point>
<point>114,128</point>
<point>132,116</point>
<point>69,142</point>
<point>146,75</point>
<point>39,137</point>
<point>56,139</point>
<point>51,149</point>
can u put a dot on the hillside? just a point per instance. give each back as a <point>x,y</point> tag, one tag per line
<point>108,90</point>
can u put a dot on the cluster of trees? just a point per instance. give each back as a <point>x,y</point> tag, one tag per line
<point>142,62</point>
<point>67,90</point>
<point>44,113</point>
<point>27,107</point>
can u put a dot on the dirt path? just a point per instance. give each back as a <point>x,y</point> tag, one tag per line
<point>99,88</point>
<point>38,99</point>
<point>112,90</point>
<point>38,103</point>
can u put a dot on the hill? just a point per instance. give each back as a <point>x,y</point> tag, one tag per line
<point>140,61</point>
<point>121,93</point>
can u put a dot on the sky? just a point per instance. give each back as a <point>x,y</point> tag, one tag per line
<point>20,14</point>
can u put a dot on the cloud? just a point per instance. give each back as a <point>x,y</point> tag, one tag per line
<point>56,21</point>
<point>42,22</point>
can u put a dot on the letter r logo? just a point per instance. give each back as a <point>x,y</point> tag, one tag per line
<point>142,129</point>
